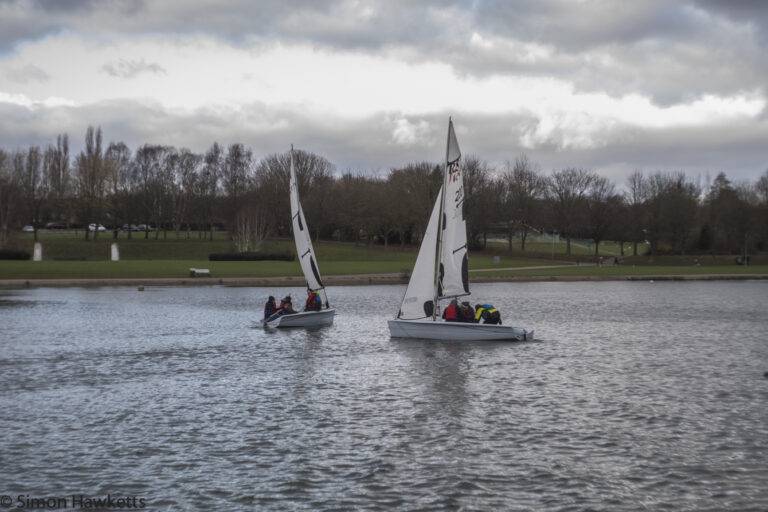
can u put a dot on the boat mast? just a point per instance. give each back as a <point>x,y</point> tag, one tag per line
<point>441,223</point>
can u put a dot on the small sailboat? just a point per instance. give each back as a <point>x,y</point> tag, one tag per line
<point>441,269</point>
<point>308,263</point>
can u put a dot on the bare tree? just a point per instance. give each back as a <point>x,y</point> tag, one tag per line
<point>9,196</point>
<point>187,173</point>
<point>90,180</point>
<point>481,200</point>
<point>635,200</point>
<point>209,183</point>
<point>34,186</point>
<point>566,189</point>
<point>602,204</point>
<point>523,189</point>
<point>250,229</point>
<point>416,187</point>
<point>671,206</point>
<point>59,179</point>
<point>117,170</point>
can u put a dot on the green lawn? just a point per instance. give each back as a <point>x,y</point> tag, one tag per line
<point>68,257</point>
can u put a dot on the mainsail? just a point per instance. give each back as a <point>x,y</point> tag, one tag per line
<point>453,277</point>
<point>303,241</point>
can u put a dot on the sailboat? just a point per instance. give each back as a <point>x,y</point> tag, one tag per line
<point>309,267</point>
<point>441,269</point>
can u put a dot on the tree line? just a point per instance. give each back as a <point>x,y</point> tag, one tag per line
<point>181,192</point>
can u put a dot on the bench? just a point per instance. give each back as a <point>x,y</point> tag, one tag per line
<point>199,272</point>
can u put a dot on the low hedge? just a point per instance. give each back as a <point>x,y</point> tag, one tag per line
<point>9,254</point>
<point>252,256</point>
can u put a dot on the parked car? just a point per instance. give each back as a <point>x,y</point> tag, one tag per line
<point>144,227</point>
<point>28,229</point>
<point>130,227</point>
<point>93,227</point>
<point>54,225</point>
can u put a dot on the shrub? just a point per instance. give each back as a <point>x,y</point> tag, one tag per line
<point>252,256</point>
<point>10,254</point>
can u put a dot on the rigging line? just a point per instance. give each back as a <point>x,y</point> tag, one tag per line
<point>460,248</point>
<point>454,296</point>
<point>307,252</point>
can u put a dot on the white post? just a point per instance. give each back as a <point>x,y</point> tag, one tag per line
<point>115,252</point>
<point>38,254</point>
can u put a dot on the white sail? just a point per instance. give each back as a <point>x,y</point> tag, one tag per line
<point>420,294</point>
<point>303,241</point>
<point>453,278</point>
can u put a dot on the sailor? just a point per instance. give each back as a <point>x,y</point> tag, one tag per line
<point>286,308</point>
<point>488,313</point>
<point>270,308</point>
<point>452,313</point>
<point>314,302</point>
<point>466,312</point>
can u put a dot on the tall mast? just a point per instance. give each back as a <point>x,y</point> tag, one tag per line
<point>441,223</point>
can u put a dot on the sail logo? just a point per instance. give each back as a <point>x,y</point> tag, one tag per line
<point>454,173</point>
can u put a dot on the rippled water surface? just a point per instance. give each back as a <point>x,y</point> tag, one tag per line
<point>636,396</point>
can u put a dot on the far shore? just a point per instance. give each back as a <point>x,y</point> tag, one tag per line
<point>347,280</point>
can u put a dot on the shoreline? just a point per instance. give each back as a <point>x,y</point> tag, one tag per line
<point>348,280</point>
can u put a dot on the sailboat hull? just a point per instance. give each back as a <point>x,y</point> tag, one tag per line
<point>456,331</point>
<point>304,319</point>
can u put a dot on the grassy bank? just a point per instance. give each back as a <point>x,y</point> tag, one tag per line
<point>66,256</point>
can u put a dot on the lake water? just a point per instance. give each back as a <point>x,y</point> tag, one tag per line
<point>636,396</point>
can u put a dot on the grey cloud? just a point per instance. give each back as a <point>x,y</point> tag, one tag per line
<point>130,68</point>
<point>27,74</point>
<point>666,50</point>
<point>367,145</point>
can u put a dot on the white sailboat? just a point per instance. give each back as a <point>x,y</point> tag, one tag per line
<point>441,270</point>
<point>308,263</point>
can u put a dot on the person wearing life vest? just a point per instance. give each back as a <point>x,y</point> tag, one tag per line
<point>488,313</point>
<point>270,308</point>
<point>451,313</point>
<point>314,302</point>
<point>286,307</point>
<point>467,312</point>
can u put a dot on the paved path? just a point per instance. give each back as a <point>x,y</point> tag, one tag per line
<point>351,279</point>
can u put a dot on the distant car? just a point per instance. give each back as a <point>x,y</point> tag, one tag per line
<point>130,227</point>
<point>28,229</point>
<point>54,225</point>
<point>144,227</point>
<point>92,227</point>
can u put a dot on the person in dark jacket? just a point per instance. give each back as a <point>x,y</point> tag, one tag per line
<point>467,312</point>
<point>451,312</point>
<point>314,302</point>
<point>286,308</point>
<point>270,308</point>
<point>488,313</point>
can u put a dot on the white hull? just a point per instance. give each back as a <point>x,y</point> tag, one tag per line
<point>440,330</point>
<point>304,319</point>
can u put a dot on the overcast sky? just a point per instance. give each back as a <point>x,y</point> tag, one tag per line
<point>611,86</point>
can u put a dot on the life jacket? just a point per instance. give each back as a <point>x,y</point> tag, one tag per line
<point>269,309</point>
<point>451,313</point>
<point>314,302</point>
<point>484,311</point>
